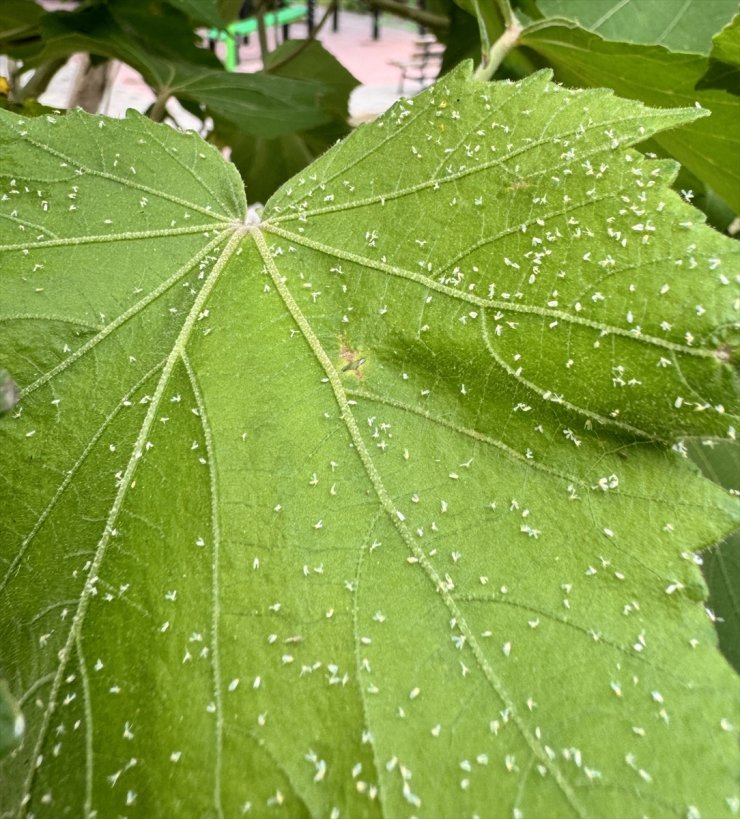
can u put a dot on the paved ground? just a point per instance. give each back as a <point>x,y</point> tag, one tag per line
<point>352,45</point>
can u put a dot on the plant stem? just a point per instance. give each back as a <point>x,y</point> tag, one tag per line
<point>90,85</point>
<point>485,42</point>
<point>262,35</point>
<point>159,109</point>
<point>40,80</point>
<point>507,13</point>
<point>498,51</point>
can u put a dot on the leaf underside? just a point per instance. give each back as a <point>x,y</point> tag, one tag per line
<point>368,510</point>
<point>724,60</point>
<point>720,461</point>
<point>681,25</point>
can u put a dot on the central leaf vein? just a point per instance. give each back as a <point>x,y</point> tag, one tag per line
<point>392,512</point>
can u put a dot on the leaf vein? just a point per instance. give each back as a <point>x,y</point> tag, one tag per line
<point>88,590</point>
<point>216,581</point>
<point>390,509</point>
<point>70,475</point>
<point>124,317</point>
<point>480,437</point>
<point>120,180</point>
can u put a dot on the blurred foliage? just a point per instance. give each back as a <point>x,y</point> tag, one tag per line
<point>720,461</point>
<point>277,120</point>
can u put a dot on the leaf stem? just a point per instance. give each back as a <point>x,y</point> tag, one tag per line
<point>498,51</point>
<point>485,42</point>
<point>40,80</point>
<point>262,35</point>
<point>507,13</point>
<point>159,109</point>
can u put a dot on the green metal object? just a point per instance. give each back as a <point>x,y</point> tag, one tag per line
<point>247,26</point>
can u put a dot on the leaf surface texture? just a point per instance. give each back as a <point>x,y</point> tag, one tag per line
<point>371,509</point>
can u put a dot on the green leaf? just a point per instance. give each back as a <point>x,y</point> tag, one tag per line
<point>462,38</point>
<point>124,29</point>
<point>216,13</point>
<point>161,47</point>
<point>19,26</point>
<point>230,9</point>
<point>18,19</point>
<point>490,23</point>
<point>724,60</point>
<point>722,571</point>
<point>719,215</point>
<point>720,461</point>
<point>266,163</point>
<point>679,25</point>
<point>708,148</point>
<point>28,107</point>
<point>206,12</point>
<point>12,722</point>
<point>366,510</point>
<point>259,103</point>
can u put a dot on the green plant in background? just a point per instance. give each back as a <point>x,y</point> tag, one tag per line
<point>379,505</point>
<point>296,107</point>
<point>161,41</point>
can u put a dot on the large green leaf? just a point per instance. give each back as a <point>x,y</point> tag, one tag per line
<point>369,509</point>
<point>709,148</point>
<point>724,60</point>
<point>680,25</point>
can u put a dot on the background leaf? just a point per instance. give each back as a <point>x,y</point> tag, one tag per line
<point>206,12</point>
<point>487,15</point>
<point>724,60</point>
<point>265,164</point>
<point>257,103</point>
<point>28,108</point>
<point>708,148</point>
<point>720,461</point>
<point>124,29</point>
<point>366,509</point>
<point>719,215</point>
<point>462,38</point>
<point>680,25</point>
<point>18,18</point>
<point>162,47</point>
